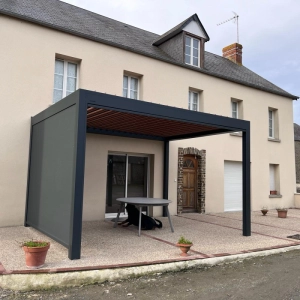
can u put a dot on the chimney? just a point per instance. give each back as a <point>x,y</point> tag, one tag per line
<point>234,53</point>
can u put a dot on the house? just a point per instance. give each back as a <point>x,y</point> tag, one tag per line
<point>50,49</point>
<point>297,154</point>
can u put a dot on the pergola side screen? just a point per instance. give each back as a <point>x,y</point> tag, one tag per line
<point>52,189</point>
<point>57,158</point>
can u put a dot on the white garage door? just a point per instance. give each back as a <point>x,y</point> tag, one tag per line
<point>233,186</point>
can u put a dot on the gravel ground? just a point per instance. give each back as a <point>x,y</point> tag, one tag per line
<point>271,277</point>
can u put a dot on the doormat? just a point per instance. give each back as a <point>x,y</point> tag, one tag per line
<point>295,236</point>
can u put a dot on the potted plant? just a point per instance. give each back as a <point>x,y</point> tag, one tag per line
<point>264,210</point>
<point>273,192</point>
<point>35,253</point>
<point>282,212</point>
<point>184,245</point>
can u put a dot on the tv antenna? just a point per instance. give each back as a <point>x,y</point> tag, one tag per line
<point>235,19</point>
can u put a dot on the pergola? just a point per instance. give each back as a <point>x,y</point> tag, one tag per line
<point>57,153</point>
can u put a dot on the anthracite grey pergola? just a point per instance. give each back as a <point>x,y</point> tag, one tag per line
<point>57,153</point>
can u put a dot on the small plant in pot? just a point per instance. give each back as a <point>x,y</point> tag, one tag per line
<point>282,212</point>
<point>35,253</point>
<point>264,210</point>
<point>184,245</point>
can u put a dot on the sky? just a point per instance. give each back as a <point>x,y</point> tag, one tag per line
<point>269,30</point>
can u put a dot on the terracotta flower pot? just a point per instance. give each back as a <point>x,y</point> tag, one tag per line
<point>264,211</point>
<point>35,256</point>
<point>185,248</point>
<point>273,192</point>
<point>282,213</point>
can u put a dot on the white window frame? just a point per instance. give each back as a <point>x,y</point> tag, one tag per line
<point>191,51</point>
<point>191,103</point>
<point>236,103</point>
<point>271,116</point>
<point>272,170</point>
<point>129,86</point>
<point>65,77</point>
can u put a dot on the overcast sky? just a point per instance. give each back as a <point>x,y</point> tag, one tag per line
<point>269,30</point>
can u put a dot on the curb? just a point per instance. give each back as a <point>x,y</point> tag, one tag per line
<point>43,281</point>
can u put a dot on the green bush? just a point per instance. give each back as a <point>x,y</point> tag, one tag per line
<point>182,240</point>
<point>35,244</point>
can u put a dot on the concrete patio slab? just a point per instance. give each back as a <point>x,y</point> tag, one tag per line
<point>105,247</point>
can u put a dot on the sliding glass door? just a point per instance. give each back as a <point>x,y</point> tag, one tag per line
<point>127,176</point>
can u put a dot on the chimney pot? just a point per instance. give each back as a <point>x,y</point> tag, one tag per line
<point>233,52</point>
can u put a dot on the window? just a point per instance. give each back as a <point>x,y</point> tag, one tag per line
<point>130,87</point>
<point>274,179</point>
<point>271,124</point>
<point>192,51</point>
<point>188,164</point>
<point>236,113</point>
<point>193,100</point>
<point>234,109</point>
<point>65,79</point>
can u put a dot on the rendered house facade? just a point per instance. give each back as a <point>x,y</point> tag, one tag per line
<point>50,49</point>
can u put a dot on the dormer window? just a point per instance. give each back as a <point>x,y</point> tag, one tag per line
<point>185,43</point>
<point>192,51</point>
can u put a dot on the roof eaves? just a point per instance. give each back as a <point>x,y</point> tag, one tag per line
<point>200,70</point>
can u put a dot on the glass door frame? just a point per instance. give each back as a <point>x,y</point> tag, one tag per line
<point>127,155</point>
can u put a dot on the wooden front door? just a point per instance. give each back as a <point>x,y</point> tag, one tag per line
<point>189,183</point>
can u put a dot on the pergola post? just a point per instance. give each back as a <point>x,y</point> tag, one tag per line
<point>166,174</point>
<point>76,209</point>
<point>246,183</point>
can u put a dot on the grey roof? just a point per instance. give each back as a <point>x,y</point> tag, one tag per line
<point>178,28</point>
<point>296,132</point>
<point>68,18</point>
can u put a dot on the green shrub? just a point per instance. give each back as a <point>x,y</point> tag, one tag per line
<point>35,244</point>
<point>183,240</point>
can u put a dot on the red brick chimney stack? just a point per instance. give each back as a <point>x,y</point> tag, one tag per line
<point>234,53</point>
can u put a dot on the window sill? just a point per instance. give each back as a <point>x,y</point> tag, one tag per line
<point>236,134</point>
<point>197,67</point>
<point>274,140</point>
<point>275,196</point>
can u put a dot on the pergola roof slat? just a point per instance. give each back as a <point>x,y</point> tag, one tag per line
<point>147,125</point>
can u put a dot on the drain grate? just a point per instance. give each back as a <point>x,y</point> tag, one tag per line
<point>295,236</point>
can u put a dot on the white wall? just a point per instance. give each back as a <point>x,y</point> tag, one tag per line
<point>27,55</point>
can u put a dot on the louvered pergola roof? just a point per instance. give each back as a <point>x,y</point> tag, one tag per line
<point>141,119</point>
<point>110,120</point>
